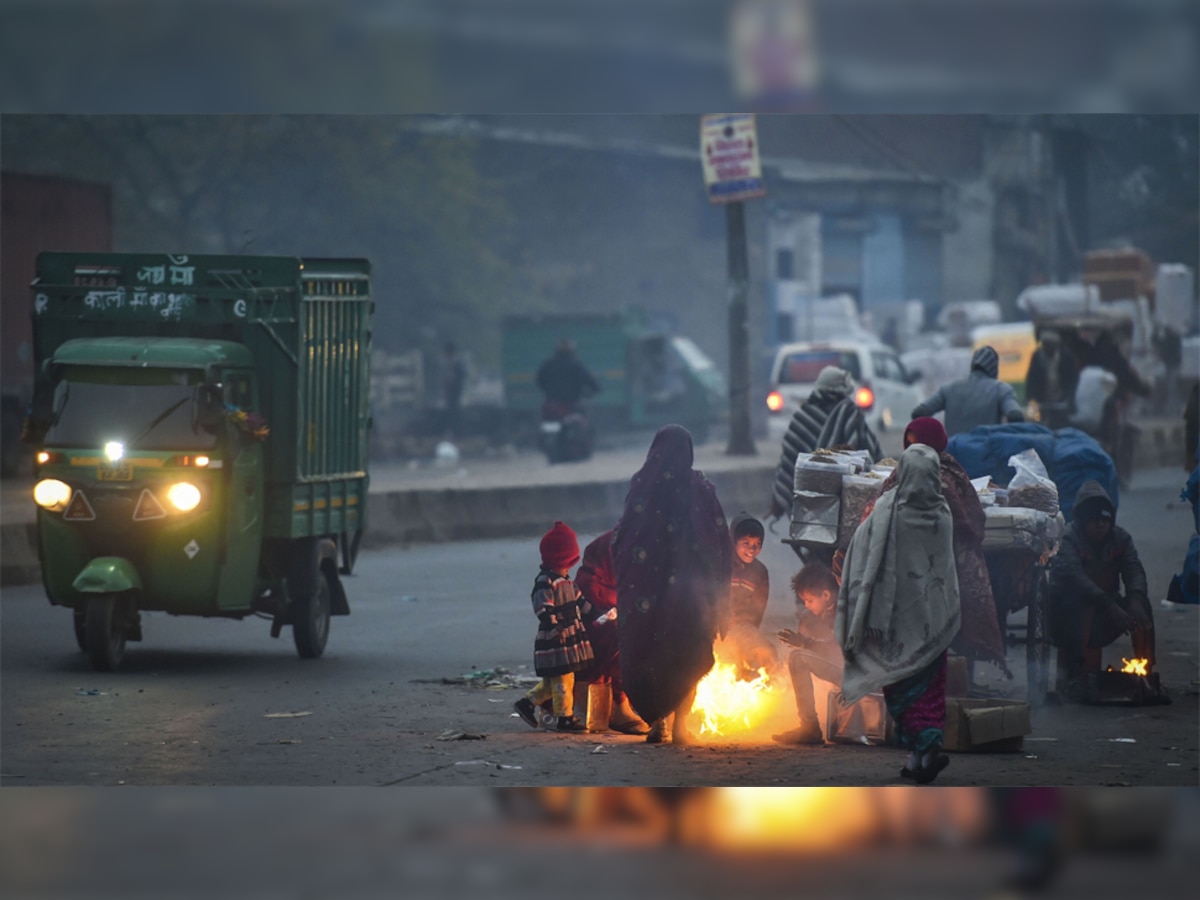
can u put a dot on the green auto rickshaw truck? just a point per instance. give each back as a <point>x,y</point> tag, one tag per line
<point>201,432</point>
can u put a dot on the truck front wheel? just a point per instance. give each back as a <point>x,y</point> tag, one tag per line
<point>310,619</point>
<point>105,626</point>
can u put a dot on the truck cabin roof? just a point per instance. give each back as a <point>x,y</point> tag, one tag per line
<point>155,352</point>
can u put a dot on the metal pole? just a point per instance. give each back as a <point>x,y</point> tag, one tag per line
<point>1050,193</point>
<point>740,441</point>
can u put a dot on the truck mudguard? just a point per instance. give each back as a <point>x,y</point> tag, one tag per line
<point>108,575</point>
<point>309,558</point>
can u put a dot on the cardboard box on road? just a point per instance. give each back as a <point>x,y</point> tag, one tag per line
<point>986,724</point>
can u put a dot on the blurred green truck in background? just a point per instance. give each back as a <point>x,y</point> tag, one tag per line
<point>647,377</point>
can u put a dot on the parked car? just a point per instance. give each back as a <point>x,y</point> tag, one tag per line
<point>887,391</point>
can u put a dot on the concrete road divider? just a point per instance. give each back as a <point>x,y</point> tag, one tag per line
<point>460,514</point>
<point>416,515</point>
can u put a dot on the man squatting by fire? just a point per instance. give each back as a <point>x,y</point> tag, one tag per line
<point>1087,609</point>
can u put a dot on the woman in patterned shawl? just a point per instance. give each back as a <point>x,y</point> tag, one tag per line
<point>673,561</point>
<point>980,637</point>
<point>898,608</point>
<point>828,418</point>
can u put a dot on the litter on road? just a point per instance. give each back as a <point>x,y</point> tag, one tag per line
<point>498,677</point>
<point>286,715</point>
<point>451,734</point>
<point>485,762</point>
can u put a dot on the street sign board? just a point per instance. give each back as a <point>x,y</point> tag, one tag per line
<point>729,151</point>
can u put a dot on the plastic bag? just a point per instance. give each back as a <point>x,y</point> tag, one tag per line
<point>865,722</point>
<point>1095,384</point>
<point>1031,487</point>
<point>815,518</point>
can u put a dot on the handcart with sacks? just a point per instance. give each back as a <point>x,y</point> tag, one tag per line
<point>832,490</point>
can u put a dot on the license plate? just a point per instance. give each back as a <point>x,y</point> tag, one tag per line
<point>121,471</point>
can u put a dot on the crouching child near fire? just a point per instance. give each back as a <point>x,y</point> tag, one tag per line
<point>814,650</point>
<point>561,647</point>
<point>1087,609</point>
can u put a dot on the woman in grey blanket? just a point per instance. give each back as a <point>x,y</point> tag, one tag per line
<point>898,609</point>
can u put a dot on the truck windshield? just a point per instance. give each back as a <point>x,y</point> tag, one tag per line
<point>146,416</point>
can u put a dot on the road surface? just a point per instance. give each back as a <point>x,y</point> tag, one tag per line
<point>199,702</point>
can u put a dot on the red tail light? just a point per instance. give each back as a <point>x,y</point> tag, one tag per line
<point>774,401</point>
<point>864,397</point>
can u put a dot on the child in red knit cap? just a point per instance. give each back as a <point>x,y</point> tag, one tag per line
<point>561,647</point>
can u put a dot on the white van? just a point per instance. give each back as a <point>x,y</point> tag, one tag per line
<point>886,393</point>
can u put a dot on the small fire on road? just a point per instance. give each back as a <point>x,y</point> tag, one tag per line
<point>727,704</point>
<point>1136,666</point>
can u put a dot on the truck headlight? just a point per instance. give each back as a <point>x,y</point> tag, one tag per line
<point>52,494</point>
<point>183,496</point>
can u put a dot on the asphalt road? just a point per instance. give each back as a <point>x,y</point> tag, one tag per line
<point>197,702</point>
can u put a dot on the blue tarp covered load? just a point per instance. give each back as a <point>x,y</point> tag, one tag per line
<point>1078,457</point>
<point>1071,457</point>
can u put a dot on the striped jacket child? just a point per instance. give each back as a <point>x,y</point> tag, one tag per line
<point>561,647</point>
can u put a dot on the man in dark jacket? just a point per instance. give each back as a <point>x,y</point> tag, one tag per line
<point>978,399</point>
<point>1052,378</point>
<point>1087,609</point>
<point>564,379</point>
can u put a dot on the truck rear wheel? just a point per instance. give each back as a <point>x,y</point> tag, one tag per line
<point>106,631</point>
<point>310,619</point>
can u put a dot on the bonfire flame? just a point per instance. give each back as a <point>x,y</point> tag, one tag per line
<point>726,703</point>
<point>1136,666</point>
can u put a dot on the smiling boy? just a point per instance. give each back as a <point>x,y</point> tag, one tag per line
<point>749,589</point>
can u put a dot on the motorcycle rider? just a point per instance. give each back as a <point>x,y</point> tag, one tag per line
<point>564,380</point>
